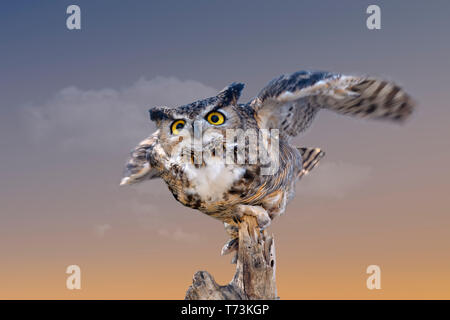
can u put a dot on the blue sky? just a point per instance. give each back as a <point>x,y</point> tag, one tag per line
<point>214,42</point>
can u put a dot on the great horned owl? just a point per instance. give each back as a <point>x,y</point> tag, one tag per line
<point>227,190</point>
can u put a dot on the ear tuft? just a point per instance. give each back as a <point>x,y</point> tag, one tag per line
<point>158,114</point>
<point>231,93</point>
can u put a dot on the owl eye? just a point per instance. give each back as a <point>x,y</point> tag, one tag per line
<point>177,125</point>
<point>215,118</point>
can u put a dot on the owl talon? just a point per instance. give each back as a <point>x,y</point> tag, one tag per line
<point>230,246</point>
<point>237,219</point>
<point>232,230</point>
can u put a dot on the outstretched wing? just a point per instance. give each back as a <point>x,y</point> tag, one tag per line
<point>290,102</point>
<point>138,167</point>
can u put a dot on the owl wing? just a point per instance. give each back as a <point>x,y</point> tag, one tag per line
<point>290,102</point>
<point>138,167</point>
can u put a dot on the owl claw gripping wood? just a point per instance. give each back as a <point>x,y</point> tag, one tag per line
<point>226,190</point>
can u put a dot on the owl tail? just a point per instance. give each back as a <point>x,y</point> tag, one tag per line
<point>310,159</point>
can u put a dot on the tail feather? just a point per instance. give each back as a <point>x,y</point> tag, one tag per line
<point>310,159</point>
<point>371,98</point>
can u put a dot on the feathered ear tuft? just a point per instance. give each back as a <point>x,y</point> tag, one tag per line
<point>158,113</point>
<point>231,93</point>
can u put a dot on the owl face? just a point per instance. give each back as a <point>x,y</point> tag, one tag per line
<point>206,121</point>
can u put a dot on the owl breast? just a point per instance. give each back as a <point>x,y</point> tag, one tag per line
<point>208,187</point>
<point>211,181</point>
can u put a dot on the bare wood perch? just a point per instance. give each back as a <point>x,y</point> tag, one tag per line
<point>255,270</point>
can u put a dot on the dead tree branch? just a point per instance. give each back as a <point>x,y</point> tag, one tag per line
<point>255,270</point>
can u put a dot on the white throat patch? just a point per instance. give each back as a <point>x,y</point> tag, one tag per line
<point>211,181</point>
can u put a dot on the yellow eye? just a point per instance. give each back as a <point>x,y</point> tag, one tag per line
<point>177,125</point>
<point>215,118</point>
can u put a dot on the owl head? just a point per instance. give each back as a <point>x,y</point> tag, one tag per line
<point>205,120</point>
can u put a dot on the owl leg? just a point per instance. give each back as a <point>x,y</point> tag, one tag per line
<point>275,203</point>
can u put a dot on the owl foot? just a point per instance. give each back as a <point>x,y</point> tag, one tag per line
<point>262,218</point>
<point>261,215</point>
<point>232,230</point>
<point>232,245</point>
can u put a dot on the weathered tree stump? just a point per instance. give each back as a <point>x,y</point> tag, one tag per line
<point>255,270</point>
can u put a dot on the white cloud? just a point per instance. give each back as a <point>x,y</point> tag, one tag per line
<point>107,118</point>
<point>334,180</point>
<point>92,124</point>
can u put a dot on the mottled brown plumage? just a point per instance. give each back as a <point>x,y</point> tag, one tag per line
<point>192,147</point>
